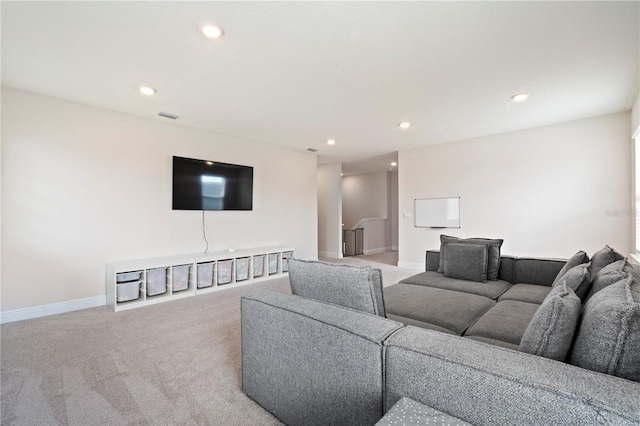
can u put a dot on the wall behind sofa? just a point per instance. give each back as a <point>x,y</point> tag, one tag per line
<point>547,191</point>
<point>83,186</point>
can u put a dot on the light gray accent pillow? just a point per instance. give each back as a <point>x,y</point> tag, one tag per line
<point>608,338</point>
<point>356,287</point>
<point>602,258</point>
<point>575,260</point>
<point>466,262</point>
<point>493,249</point>
<point>551,330</point>
<point>578,278</point>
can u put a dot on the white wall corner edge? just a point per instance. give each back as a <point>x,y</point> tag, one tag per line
<point>411,265</point>
<point>52,309</point>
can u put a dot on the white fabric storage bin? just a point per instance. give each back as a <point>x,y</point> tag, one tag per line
<point>180,277</point>
<point>128,291</point>
<point>125,277</point>
<point>273,263</point>
<point>242,268</point>
<point>156,281</point>
<point>205,274</point>
<point>225,271</point>
<point>258,265</point>
<point>285,260</point>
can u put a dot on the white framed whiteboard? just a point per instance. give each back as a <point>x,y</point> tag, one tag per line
<point>437,212</point>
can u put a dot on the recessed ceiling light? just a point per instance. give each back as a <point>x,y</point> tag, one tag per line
<point>146,90</point>
<point>331,142</point>
<point>404,125</point>
<point>212,31</point>
<point>393,164</point>
<point>520,97</point>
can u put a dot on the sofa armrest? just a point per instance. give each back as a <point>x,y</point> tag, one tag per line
<point>489,385</point>
<point>313,363</point>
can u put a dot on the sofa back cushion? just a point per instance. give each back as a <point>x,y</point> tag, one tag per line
<point>575,260</point>
<point>493,249</point>
<point>602,258</point>
<point>608,338</point>
<point>578,278</point>
<point>610,274</point>
<point>551,330</point>
<point>466,262</point>
<point>356,287</point>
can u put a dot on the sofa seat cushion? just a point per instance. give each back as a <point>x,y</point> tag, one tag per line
<point>530,293</point>
<point>452,310</point>
<point>490,289</point>
<point>506,321</point>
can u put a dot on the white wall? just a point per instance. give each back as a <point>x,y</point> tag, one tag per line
<point>329,210</point>
<point>364,195</point>
<point>83,186</point>
<point>635,118</point>
<point>548,191</point>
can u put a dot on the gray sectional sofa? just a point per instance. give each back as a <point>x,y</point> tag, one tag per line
<point>467,348</point>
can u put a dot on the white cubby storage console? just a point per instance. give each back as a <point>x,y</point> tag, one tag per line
<point>135,283</point>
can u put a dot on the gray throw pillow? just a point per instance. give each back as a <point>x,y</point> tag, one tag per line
<point>602,258</point>
<point>575,260</point>
<point>610,274</point>
<point>493,249</point>
<point>350,286</point>
<point>578,279</point>
<point>466,262</point>
<point>551,330</point>
<point>608,338</point>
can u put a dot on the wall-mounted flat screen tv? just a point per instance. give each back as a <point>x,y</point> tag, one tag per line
<point>210,185</point>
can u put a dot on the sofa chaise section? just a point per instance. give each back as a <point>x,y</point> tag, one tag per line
<point>313,363</point>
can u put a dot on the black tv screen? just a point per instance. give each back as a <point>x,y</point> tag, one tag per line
<point>209,185</point>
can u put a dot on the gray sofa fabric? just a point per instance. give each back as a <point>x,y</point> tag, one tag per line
<point>537,271</point>
<point>452,310</point>
<point>313,363</point>
<point>575,260</point>
<point>608,338</point>
<point>551,330</point>
<point>578,278</point>
<point>505,321</point>
<point>602,258</point>
<point>357,287</point>
<point>493,252</point>
<point>466,262</point>
<point>531,293</point>
<point>488,385</point>
<point>489,289</point>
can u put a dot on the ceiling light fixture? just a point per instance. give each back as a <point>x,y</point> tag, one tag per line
<point>146,90</point>
<point>404,125</point>
<point>520,97</point>
<point>331,142</point>
<point>393,164</point>
<point>212,31</point>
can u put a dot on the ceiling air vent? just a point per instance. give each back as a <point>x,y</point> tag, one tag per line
<point>168,115</point>
<point>312,150</point>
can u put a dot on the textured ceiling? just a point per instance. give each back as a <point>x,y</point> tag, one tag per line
<point>297,73</point>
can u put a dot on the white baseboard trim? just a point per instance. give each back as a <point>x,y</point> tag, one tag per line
<point>52,309</point>
<point>330,255</point>
<point>394,248</point>
<point>411,265</point>
<point>374,251</point>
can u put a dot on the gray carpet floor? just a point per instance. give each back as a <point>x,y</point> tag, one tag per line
<point>175,363</point>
